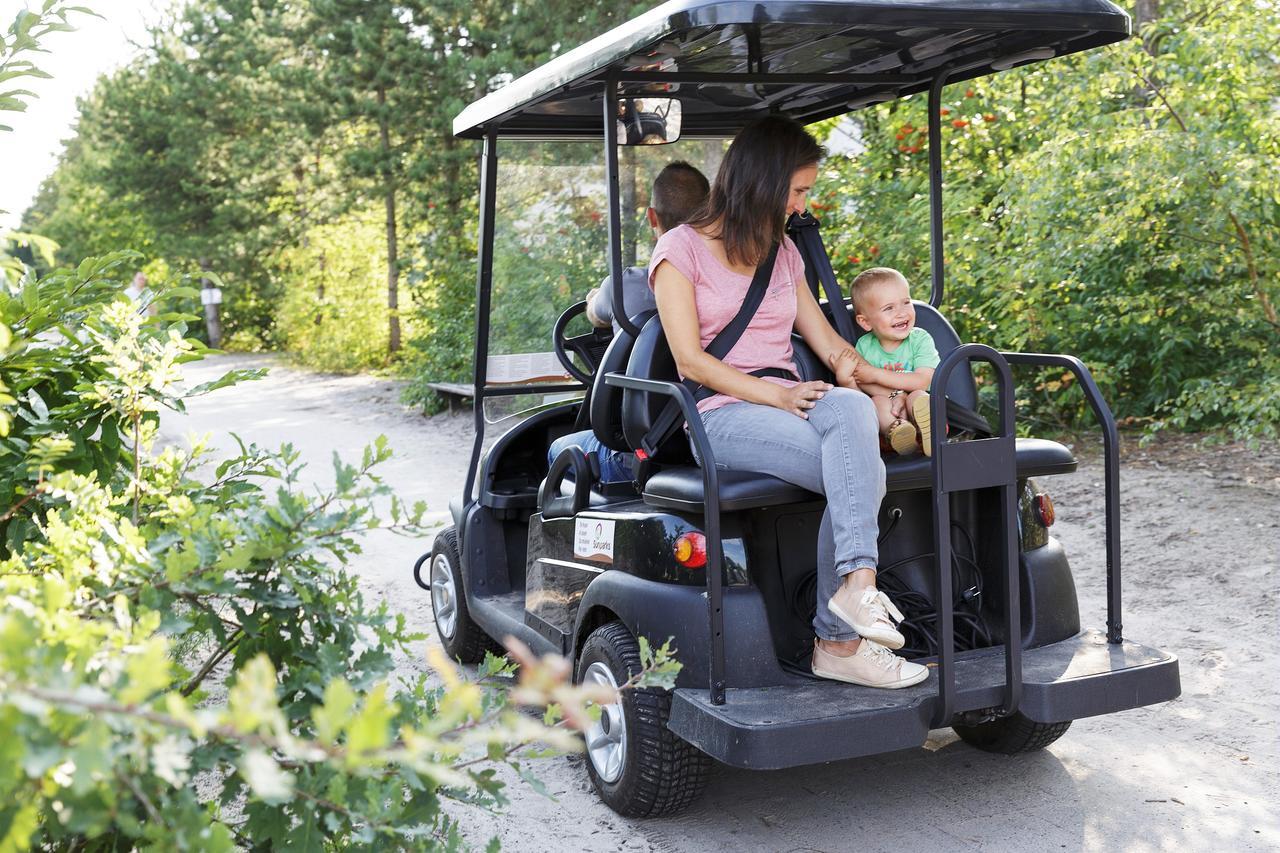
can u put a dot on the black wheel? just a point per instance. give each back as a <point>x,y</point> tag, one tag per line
<point>462,639</point>
<point>639,768</point>
<point>1012,735</point>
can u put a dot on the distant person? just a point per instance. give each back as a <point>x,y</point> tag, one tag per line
<point>898,358</point>
<point>678,191</point>
<point>141,295</point>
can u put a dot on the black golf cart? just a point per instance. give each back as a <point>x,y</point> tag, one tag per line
<point>723,562</point>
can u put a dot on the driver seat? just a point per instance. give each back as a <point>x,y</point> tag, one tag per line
<point>678,483</point>
<point>605,416</point>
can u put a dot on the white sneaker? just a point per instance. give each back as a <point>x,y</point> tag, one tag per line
<point>872,665</point>
<point>868,612</point>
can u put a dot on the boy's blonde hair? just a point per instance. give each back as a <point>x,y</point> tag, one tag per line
<point>868,279</point>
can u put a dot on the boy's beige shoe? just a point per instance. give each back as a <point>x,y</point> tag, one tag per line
<point>872,665</point>
<point>902,438</point>
<point>920,411</point>
<point>868,612</point>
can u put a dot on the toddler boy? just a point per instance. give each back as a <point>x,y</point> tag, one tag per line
<point>897,359</point>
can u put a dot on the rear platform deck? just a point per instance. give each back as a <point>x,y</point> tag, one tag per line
<point>810,722</point>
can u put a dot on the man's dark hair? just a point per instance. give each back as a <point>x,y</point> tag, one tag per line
<point>749,200</point>
<point>678,191</point>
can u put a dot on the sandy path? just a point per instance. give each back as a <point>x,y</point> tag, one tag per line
<point>1202,566</point>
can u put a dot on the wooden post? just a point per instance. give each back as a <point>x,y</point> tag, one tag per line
<point>211,297</point>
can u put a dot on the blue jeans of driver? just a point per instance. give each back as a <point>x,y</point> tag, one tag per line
<point>836,452</point>
<point>615,466</point>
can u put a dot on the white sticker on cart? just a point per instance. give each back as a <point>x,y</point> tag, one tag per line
<point>593,540</point>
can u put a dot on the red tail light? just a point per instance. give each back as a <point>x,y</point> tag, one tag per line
<point>1044,509</point>
<point>691,550</point>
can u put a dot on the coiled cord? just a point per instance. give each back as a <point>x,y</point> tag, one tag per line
<point>919,626</point>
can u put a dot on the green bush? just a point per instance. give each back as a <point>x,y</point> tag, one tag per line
<point>1117,205</point>
<point>334,312</point>
<point>185,662</point>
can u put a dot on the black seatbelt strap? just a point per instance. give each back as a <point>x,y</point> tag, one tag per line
<point>670,418</point>
<point>803,228</point>
<point>804,231</point>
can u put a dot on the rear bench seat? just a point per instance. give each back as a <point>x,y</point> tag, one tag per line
<point>680,487</point>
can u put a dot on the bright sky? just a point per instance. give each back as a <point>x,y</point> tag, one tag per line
<point>29,153</point>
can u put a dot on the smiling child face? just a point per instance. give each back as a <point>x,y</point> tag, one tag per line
<point>886,310</point>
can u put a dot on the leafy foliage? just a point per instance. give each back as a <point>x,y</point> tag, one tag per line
<point>185,662</point>
<point>1119,205</point>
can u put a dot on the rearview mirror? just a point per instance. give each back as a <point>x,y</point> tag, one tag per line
<point>648,121</point>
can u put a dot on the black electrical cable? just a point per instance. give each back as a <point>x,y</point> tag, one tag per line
<point>920,614</point>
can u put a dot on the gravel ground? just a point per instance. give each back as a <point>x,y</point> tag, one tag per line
<point>1201,548</point>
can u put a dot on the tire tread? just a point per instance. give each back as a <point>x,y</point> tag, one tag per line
<point>669,773</point>
<point>469,642</point>
<point>1012,735</point>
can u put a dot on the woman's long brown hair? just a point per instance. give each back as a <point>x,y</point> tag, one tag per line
<point>748,201</point>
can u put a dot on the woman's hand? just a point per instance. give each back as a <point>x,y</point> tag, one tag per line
<point>844,366</point>
<point>799,399</point>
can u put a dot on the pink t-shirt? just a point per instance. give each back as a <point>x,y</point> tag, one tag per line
<point>718,293</point>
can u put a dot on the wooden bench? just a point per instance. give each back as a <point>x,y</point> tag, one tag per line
<point>453,392</point>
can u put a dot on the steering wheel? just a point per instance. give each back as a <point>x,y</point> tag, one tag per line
<point>589,347</point>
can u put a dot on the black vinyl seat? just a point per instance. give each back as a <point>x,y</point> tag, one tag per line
<point>681,488</point>
<point>678,483</point>
<point>605,412</point>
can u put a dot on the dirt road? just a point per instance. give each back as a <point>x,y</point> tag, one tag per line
<point>1201,546</point>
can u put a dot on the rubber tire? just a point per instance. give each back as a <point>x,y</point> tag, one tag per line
<point>1012,735</point>
<point>662,774</point>
<point>469,642</point>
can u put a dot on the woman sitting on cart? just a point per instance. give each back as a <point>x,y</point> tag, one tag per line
<point>819,437</point>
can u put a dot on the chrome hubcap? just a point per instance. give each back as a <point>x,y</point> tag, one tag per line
<point>606,737</point>
<point>444,599</point>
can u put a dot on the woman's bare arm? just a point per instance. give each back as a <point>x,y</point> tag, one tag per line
<point>826,343</point>
<point>679,312</point>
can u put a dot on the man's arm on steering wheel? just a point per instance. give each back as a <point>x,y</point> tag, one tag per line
<point>679,313</point>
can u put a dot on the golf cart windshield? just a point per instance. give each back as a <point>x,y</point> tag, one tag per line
<point>550,249</point>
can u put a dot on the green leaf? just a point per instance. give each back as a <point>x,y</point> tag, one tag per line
<point>265,778</point>
<point>538,786</point>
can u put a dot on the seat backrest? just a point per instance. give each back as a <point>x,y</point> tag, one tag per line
<point>606,400</point>
<point>651,359</point>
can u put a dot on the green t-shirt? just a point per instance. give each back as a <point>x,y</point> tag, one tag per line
<point>915,352</point>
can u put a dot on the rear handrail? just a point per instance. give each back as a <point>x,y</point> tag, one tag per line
<point>711,511</point>
<point>1111,474</point>
<point>964,466</point>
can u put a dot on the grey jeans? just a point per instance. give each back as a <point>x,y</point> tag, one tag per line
<point>836,452</point>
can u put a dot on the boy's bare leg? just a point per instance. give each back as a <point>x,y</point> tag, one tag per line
<point>899,432</point>
<point>918,408</point>
<point>884,413</point>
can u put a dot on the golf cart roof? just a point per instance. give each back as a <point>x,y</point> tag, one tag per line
<point>869,51</point>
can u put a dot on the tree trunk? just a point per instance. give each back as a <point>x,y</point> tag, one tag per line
<point>393,263</point>
<point>1144,12</point>
<point>211,296</point>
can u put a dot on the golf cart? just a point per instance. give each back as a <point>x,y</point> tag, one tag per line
<point>723,562</point>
